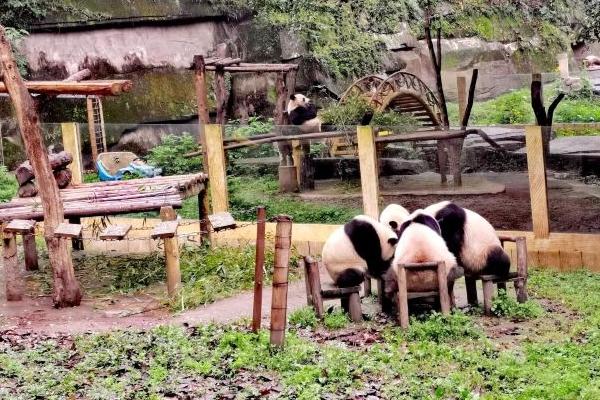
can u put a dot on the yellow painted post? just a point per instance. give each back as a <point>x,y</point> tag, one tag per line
<point>369,176</point>
<point>217,171</point>
<point>72,145</point>
<point>538,190</point>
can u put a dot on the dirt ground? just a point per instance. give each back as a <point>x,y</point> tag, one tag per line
<point>574,206</point>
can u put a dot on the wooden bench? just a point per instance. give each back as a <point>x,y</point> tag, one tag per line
<point>315,294</point>
<point>518,277</point>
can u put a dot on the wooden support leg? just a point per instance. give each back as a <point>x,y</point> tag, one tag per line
<point>471,284</point>
<point>30,249</point>
<point>402,297</point>
<point>442,159</point>
<point>455,151</point>
<point>77,242</point>
<point>488,293</point>
<point>367,286</point>
<point>443,288</point>
<point>380,294</point>
<point>315,286</point>
<point>345,303</point>
<point>203,212</point>
<point>521,284</point>
<point>501,286</point>
<point>12,273</point>
<point>355,308</point>
<point>171,255</point>
<point>309,296</point>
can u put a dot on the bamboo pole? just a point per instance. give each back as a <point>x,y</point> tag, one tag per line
<point>369,176</point>
<point>537,181</point>
<point>217,172</point>
<point>67,291</point>
<point>72,145</point>
<point>259,265</point>
<point>171,255</point>
<point>283,240</point>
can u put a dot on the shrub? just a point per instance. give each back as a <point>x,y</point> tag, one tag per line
<point>348,113</point>
<point>336,319</point>
<point>169,155</point>
<point>8,185</point>
<point>505,306</point>
<point>440,328</point>
<point>304,317</point>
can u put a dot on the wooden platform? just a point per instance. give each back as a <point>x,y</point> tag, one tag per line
<point>112,198</point>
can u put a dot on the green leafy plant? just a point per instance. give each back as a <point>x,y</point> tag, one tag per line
<point>440,328</point>
<point>8,185</point>
<point>304,317</point>
<point>169,155</point>
<point>504,305</point>
<point>336,319</point>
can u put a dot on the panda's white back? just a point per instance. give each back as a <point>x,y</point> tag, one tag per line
<point>480,237</point>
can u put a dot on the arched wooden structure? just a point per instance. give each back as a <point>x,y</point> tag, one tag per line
<point>366,86</point>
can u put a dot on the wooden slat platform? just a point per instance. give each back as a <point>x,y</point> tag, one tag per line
<point>115,232</point>
<point>112,198</point>
<point>166,229</point>
<point>20,226</point>
<point>71,231</point>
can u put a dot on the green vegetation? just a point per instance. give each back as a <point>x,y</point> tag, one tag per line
<point>336,319</point>
<point>245,193</point>
<point>304,317</point>
<point>169,155</point>
<point>445,357</point>
<point>8,185</point>
<point>506,306</point>
<point>354,108</point>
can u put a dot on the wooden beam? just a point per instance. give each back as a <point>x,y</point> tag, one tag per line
<point>99,88</point>
<point>537,181</point>
<point>72,145</point>
<point>217,172</point>
<point>169,218</point>
<point>67,291</point>
<point>258,68</point>
<point>369,177</point>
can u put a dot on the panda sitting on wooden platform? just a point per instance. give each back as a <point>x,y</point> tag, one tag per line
<point>302,114</point>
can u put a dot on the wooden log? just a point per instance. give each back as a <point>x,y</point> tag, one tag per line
<point>167,214</point>
<point>27,190</point>
<point>12,272</point>
<point>99,88</point>
<point>63,178</point>
<point>521,285</point>
<point>259,265</point>
<point>216,168</point>
<point>369,176</point>
<point>220,95</point>
<point>315,285</point>
<point>471,284</point>
<point>445,303</point>
<point>67,291</point>
<point>72,145</point>
<point>402,296</point>
<point>537,182</point>
<point>442,157</point>
<point>31,254</point>
<point>24,172</point>
<point>244,67</point>
<point>354,307</point>
<point>304,267</point>
<point>202,100</point>
<point>79,76</point>
<point>488,293</point>
<point>283,241</point>
<point>203,207</point>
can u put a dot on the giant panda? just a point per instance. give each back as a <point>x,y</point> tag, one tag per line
<point>360,247</point>
<point>471,238</point>
<point>394,215</point>
<point>302,113</point>
<point>420,241</point>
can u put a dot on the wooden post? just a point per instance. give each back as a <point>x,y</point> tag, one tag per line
<point>283,241</point>
<point>303,163</point>
<point>30,250</point>
<point>77,243</point>
<point>220,94</point>
<point>367,286</point>
<point>537,182</point>
<point>202,100</point>
<point>402,296</point>
<point>259,265</point>
<point>72,145</point>
<point>171,254</point>
<point>461,88</point>
<point>443,288</point>
<point>471,285</point>
<point>488,293</point>
<point>92,129</point>
<point>314,280</point>
<point>369,176</point>
<point>303,265</point>
<point>203,207</point>
<point>67,291</point>
<point>521,284</point>
<point>217,172</point>
<point>12,272</point>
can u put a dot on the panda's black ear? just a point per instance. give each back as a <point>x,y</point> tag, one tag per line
<point>393,241</point>
<point>292,97</point>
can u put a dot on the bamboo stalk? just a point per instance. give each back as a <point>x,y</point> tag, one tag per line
<point>283,240</point>
<point>259,265</point>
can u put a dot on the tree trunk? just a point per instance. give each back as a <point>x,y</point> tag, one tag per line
<point>67,291</point>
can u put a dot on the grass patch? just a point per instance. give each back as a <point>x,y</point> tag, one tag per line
<point>336,319</point>
<point>446,357</point>
<point>304,317</point>
<point>246,193</point>
<point>504,305</point>
<point>8,185</point>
